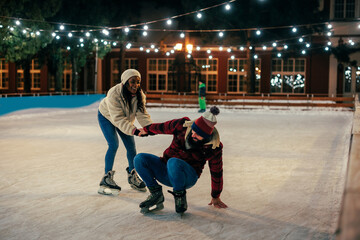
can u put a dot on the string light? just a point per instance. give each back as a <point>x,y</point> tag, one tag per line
<point>126,29</point>
<point>301,39</point>
<point>105,32</point>
<point>199,15</point>
<point>258,32</point>
<point>221,34</point>
<point>62,27</point>
<point>17,22</point>
<point>146,27</point>
<point>182,35</point>
<point>87,34</point>
<point>169,22</point>
<point>70,35</point>
<point>285,46</point>
<point>227,7</point>
<point>294,29</point>
<point>145,34</point>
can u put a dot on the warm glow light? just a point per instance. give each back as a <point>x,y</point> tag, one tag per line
<point>189,47</point>
<point>178,46</point>
<point>182,35</point>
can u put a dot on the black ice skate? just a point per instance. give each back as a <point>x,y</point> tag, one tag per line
<point>154,202</point>
<point>134,181</point>
<point>108,185</point>
<point>180,201</point>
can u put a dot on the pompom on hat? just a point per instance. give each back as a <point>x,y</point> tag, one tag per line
<point>205,124</point>
<point>128,74</point>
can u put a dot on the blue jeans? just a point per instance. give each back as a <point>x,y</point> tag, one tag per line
<point>175,173</point>
<point>109,131</point>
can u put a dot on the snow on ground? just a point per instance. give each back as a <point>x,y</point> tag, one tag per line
<point>284,174</point>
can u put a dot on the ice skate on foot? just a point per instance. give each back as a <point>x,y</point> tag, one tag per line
<point>135,181</point>
<point>154,201</point>
<point>153,208</point>
<point>180,201</point>
<point>108,185</point>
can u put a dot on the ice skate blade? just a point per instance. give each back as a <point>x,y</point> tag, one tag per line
<point>108,191</point>
<point>154,208</point>
<point>138,189</point>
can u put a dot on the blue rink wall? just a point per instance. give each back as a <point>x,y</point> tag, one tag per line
<point>11,104</point>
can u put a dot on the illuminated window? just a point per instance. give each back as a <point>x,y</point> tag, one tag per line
<point>237,75</point>
<point>288,76</point>
<point>208,71</point>
<point>4,74</point>
<point>159,71</point>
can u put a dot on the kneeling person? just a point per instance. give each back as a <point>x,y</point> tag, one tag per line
<point>194,143</point>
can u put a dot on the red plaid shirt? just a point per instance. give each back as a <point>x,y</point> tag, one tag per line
<point>195,157</point>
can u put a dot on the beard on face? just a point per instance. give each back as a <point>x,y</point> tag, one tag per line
<point>195,144</point>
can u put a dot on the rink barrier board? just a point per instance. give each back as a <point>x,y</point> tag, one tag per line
<point>349,220</point>
<point>11,104</point>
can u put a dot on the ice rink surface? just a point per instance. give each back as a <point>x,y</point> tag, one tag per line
<point>284,174</point>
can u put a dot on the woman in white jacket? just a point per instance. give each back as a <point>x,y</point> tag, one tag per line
<point>117,112</point>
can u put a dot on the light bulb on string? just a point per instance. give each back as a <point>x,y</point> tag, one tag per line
<point>53,34</point>
<point>147,50</point>
<point>258,32</point>
<point>326,48</point>
<point>96,40</point>
<point>17,22</point>
<point>114,44</point>
<point>62,27</point>
<point>208,51</point>
<point>169,22</point>
<point>87,34</point>
<point>127,30</point>
<point>329,26</point>
<point>152,46</point>
<point>167,54</point>
<point>301,39</point>
<point>294,29</point>
<point>81,45</point>
<point>329,43</point>
<point>37,33</point>
<point>128,46</point>
<point>81,40</point>
<point>233,57</point>
<point>182,35</point>
<point>105,32</point>
<point>221,34</point>
<point>57,37</point>
<point>70,35</point>
<point>264,47</point>
<point>144,34</point>
<point>11,29</point>
<point>197,48</point>
<point>274,44</point>
<point>307,45</point>
<point>221,48</point>
<point>210,56</point>
<point>329,34</point>
<point>241,48</point>
<point>279,55</point>
<point>256,56</point>
<point>68,48</point>
<point>24,31</point>
<point>286,46</point>
<point>228,50</point>
<point>227,7</point>
<point>303,52</point>
<point>156,50</point>
<point>141,48</point>
<point>146,27</point>
<point>199,15</point>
